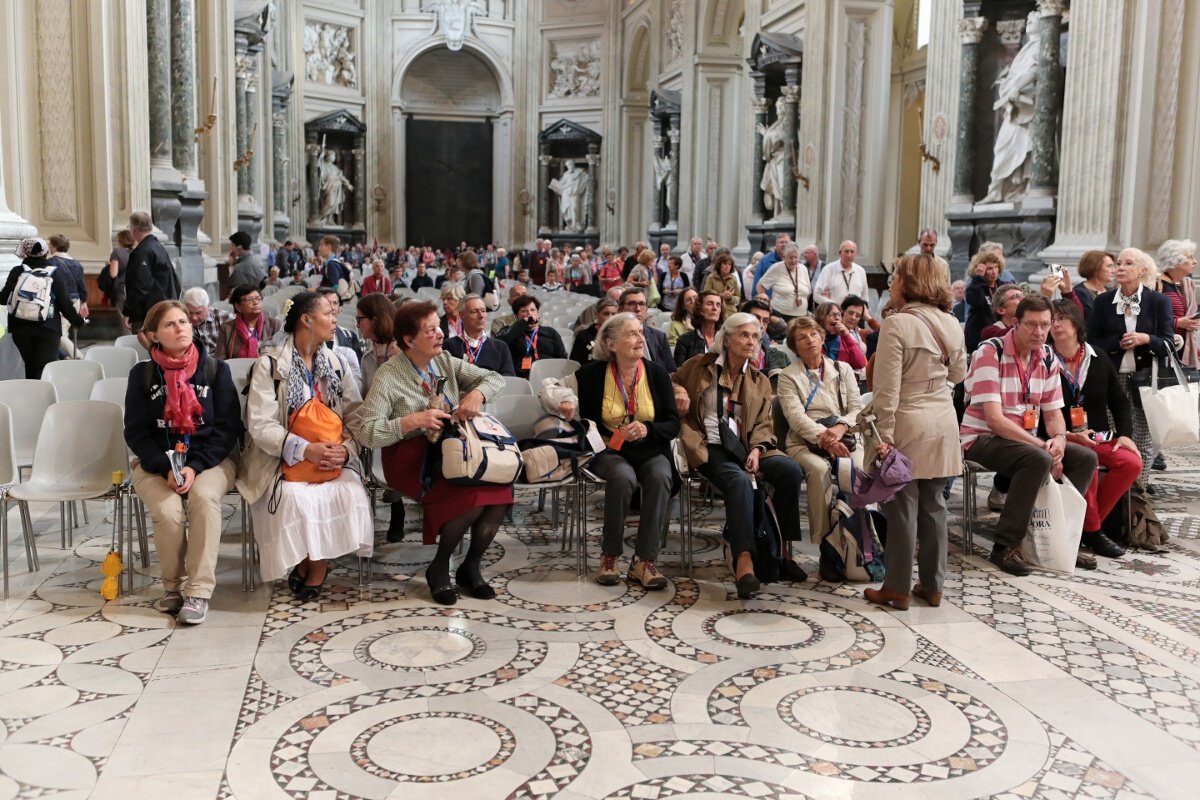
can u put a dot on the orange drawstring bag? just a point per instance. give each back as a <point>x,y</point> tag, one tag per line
<point>315,422</point>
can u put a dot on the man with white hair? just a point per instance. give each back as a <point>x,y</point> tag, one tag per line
<point>841,278</point>
<point>206,321</point>
<point>811,257</point>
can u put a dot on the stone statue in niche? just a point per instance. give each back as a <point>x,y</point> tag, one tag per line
<point>1015,92</point>
<point>576,74</point>
<point>329,56</point>
<point>570,188</point>
<point>662,169</point>
<point>675,30</point>
<point>455,19</point>
<point>773,152</point>
<point>334,186</point>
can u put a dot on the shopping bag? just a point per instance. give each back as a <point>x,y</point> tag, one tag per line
<point>1171,411</point>
<point>1055,527</point>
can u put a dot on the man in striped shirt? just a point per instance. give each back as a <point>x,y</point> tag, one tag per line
<point>1009,389</point>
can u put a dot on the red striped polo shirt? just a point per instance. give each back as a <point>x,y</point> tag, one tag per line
<point>996,378</point>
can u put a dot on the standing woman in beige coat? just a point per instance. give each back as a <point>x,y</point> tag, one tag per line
<point>920,356</point>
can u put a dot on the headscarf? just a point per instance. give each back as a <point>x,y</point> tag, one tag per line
<point>34,246</point>
<point>182,411</point>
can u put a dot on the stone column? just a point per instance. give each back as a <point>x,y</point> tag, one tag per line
<point>659,218</point>
<point>761,107</point>
<point>544,193</point>
<point>280,222</point>
<point>592,197</point>
<point>1047,101</point>
<point>246,66</point>
<point>13,227</point>
<point>791,100</point>
<point>158,36</point>
<point>970,31</point>
<point>313,151</point>
<point>183,86</point>
<point>673,185</point>
<point>360,186</point>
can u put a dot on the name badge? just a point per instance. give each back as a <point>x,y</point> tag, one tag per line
<point>1078,418</point>
<point>617,440</point>
<point>527,363</point>
<point>1030,420</point>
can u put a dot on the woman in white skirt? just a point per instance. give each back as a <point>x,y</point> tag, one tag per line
<point>308,506</point>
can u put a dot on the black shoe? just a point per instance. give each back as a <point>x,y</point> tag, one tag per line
<point>1101,545</point>
<point>1160,463</point>
<point>789,570</point>
<point>443,594</point>
<point>309,592</point>
<point>747,585</point>
<point>1150,490</point>
<point>1010,560</point>
<point>295,579</point>
<point>395,531</point>
<point>474,584</point>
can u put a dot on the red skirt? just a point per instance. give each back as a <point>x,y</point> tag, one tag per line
<point>402,466</point>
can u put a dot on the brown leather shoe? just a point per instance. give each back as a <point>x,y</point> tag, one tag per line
<point>931,598</point>
<point>883,597</point>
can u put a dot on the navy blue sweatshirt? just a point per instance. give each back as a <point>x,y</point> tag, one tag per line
<point>61,284</point>
<point>146,432</point>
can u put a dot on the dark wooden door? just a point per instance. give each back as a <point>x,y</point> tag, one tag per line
<point>448,182</point>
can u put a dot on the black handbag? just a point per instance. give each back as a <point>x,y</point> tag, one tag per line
<point>849,440</point>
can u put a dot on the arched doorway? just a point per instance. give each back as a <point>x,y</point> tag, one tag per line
<point>449,100</point>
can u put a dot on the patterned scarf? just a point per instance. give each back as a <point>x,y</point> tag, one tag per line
<point>299,383</point>
<point>181,410</point>
<point>248,340</point>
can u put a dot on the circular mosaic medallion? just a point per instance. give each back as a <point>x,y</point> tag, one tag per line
<point>766,629</point>
<point>398,749</point>
<point>419,649</point>
<point>559,590</point>
<point>855,716</point>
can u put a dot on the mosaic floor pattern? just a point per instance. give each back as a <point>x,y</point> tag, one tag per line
<point>1043,687</point>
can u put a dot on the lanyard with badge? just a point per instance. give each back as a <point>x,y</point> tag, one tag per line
<point>432,384</point>
<point>628,400</point>
<point>1072,373</point>
<point>473,352</point>
<point>531,342</point>
<point>1029,420</point>
<point>816,381</point>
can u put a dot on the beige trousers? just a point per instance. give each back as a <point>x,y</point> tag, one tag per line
<point>818,481</point>
<point>191,558</point>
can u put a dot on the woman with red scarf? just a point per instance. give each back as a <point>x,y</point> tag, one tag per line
<point>250,330</point>
<point>182,421</point>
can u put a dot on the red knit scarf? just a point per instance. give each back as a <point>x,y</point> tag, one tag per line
<point>181,409</point>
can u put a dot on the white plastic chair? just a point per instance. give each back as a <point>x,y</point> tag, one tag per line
<point>116,361</point>
<point>63,471</point>
<point>514,386</point>
<point>9,476</point>
<point>550,368</point>
<point>111,390</point>
<point>517,412</point>
<point>28,400</point>
<point>72,380</point>
<point>130,340</point>
<point>239,369</point>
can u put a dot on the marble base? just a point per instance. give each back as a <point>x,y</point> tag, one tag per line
<point>573,238</point>
<point>350,235</point>
<point>165,208</point>
<point>191,257</point>
<point>250,218</point>
<point>281,227</point>
<point>762,235</point>
<point>1025,232</point>
<point>668,234</point>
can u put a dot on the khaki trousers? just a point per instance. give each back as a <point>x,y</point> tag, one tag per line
<point>818,481</point>
<point>192,558</point>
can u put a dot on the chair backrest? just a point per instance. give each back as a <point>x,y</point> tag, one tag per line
<point>516,386</point>
<point>8,447</point>
<point>130,340</point>
<point>239,368</point>
<point>60,460</point>
<point>73,380</point>
<point>781,424</point>
<point>28,400</point>
<point>115,361</point>
<point>111,390</point>
<point>518,413</point>
<point>550,368</point>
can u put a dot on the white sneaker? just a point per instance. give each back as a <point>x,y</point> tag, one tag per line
<point>194,611</point>
<point>996,500</point>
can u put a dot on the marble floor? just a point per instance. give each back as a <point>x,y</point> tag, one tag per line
<point>1046,686</point>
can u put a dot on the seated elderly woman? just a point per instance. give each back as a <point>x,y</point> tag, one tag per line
<point>302,402</point>
<point>819,398</point>
<point>398,414</point>
<point>250,329</point>
<point>728,436</point>
<point>632,402</point>
<point>840,345</point>
<point>452,321</point>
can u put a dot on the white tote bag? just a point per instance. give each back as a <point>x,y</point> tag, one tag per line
<point>1055,528</point>
<point>1171,411</point>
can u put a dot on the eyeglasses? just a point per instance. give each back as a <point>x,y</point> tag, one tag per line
<point>252,300</point>
<point>635,304</point>
<point>359,317</point>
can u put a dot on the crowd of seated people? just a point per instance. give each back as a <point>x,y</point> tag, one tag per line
<point>673,354</point>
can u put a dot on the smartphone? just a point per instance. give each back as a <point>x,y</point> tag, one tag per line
<point>1056,270</point>
<point>1100,437</point>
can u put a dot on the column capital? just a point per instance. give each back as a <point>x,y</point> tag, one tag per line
<point>760,105</point>
<point>673,135</point>
<point>545,160</point>
<point>791,93</point>
<point>971,29</point>
<point>1011,31</point>
<point>1051,8</point>
<point>593,160</point>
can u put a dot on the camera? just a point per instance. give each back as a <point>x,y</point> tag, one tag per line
<point>1056,270</point>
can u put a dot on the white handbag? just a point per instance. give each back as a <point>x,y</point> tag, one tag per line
<point>1055,527</point>
<point>1171,411</point>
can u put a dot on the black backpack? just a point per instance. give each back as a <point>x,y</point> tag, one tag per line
<point>768,540</point>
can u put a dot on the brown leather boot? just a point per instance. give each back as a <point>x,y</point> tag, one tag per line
<point>883,597</point>
<point>931,598</point>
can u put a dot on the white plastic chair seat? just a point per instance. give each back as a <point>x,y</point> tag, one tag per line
<point>516,386</point>
<point>130,340</point>
<point>72,380</point>
<point>111,390</point>
<point>62,469</point>
<point>517,412</point>
<point>239,369</point>
<point>28,400</point>
<point>116,361</point>
<point>551,368</point>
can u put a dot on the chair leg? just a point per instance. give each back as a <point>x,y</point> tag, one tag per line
<point>30,543</point>
<point>4,539</point>
<point>83,505</point>
<point>62,524</point>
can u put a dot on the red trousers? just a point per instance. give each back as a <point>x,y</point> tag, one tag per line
<point>1123,468</point>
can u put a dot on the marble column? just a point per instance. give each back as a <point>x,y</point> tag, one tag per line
<point>658,218</point>
<point>544,193</point>
<point>1046,105</point>
<point>592,196</point>
<point>673,184</point>
<point>158,36</point>
<point>791,101</point>
<point>13,227</point>
<point>761,107</point>
<point>246,72</point>
<point>970,31</point>
<point>280,223</point>
<point>360,187</point>
<point>183,86</point>
<point>941,120</point>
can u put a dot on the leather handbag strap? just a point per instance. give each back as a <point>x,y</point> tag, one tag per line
<point>941,345</point>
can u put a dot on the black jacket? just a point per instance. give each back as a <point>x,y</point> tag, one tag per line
<point>1106,326</point>
<point>1101,394</point>
<point>421,282</point>
<point>688,345</point>
<point>61,286</point>
<point>150,278</point>
<point>146,433</point>
<point>979,300</point>
<point>581,349</point>
<point>549,344</point>
<point>659,433</point>
<point>495,354</point>
<point>658,349</point>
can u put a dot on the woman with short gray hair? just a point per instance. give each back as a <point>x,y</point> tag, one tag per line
<point>452,297</point>
<point>1176,261</point>
<point>581,348</point>
<point>632,403</point>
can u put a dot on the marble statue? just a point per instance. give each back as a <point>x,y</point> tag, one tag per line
<point>329,55</point>
<point>662,169</point>
<point>675,30</point>
<point>570,188</point>
<point>1014,100</point>
<point>576,74</point>
<point>455,19</point>
<point>334,186</point>
<point>774,152</point>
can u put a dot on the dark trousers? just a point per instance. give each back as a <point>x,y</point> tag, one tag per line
<point>916,520</point>
<point>1028,467</point>
<point>38,346</point>
<point>729,476</point>
<point>654,477</point>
